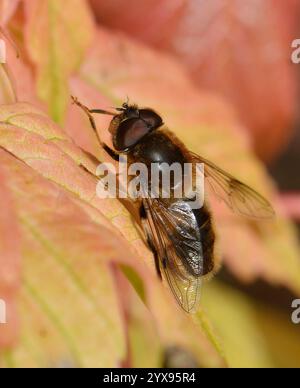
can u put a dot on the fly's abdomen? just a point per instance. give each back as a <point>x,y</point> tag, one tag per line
<point>207,238</point>
<point>192,235</point>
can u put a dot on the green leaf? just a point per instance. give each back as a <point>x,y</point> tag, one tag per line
<point>57,36</point>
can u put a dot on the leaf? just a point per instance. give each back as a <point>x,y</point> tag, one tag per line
<point>16,80</point>
<point>7,94</point>
<point>252,334</point>
<point>7,87</point>
<point>53,189</point>
<point>70,242</point>
<point>141,329</point>
<point>10,260</point>
<point>7,9</point>
<point>57,274</point>
<point>207,125</point>
<point>57,36</point>
<point>291,205</point>
<point>281,335</point>
<point>233,48</point>
<point>234,318</point>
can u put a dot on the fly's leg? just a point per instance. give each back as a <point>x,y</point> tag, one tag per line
<point>150,242</point>
<point>155,254</point>
<point>89,112</point>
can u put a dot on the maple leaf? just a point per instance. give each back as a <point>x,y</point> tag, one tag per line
<point>69,247</point>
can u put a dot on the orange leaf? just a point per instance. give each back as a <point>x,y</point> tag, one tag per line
<point>69,245</point>
<point>7,9</point>
<point>10,258</point>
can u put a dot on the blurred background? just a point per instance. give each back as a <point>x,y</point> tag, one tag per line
<point>242,51</point>
<point>235,57</point>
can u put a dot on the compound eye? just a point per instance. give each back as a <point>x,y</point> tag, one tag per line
<point>151,118</point>
<point>129,133</point>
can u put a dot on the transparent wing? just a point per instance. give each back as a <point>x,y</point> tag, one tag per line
<point>239,197</point>
<point>174,242</point>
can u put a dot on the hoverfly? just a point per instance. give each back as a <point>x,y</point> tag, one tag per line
<point>181,237</point>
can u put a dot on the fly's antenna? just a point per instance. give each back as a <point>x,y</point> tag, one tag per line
<point>124,106</point>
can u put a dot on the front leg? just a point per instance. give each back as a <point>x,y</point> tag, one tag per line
<point>149,239</point>
<point>112,153</point>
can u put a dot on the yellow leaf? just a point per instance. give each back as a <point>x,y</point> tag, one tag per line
<point>234,318</point>
<point>71,239</point>
<point>57,36</point>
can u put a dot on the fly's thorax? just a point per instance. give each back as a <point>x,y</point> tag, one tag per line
<point>157,147</point>
<point>158,155</point>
